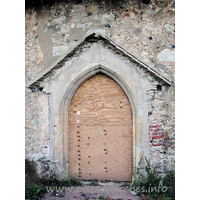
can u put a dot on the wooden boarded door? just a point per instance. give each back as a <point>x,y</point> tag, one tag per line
<point>100,131</point>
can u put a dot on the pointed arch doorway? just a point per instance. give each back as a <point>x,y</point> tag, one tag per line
<point>100,131</point>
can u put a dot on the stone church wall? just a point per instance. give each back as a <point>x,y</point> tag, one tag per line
<point>146,29</point>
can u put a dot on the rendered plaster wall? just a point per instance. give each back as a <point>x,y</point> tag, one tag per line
<point>146,31</point>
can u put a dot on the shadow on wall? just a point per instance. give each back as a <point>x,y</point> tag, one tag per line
<point>40,3</point>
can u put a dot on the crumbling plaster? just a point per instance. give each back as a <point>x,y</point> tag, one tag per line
<point>72,74</point>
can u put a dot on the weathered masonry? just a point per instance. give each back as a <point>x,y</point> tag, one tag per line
<point>93,108</point>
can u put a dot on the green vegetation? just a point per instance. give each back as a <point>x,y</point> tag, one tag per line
<point>32,187</point>
<point>152,184</point>
<point>104,197</point>
<point>35,187</point>
<point>149,184</point>
<point>34,191</point>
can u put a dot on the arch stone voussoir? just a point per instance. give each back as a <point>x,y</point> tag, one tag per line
<point>76,82</point>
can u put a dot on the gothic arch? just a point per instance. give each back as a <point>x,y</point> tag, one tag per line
<point>92,70</point>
